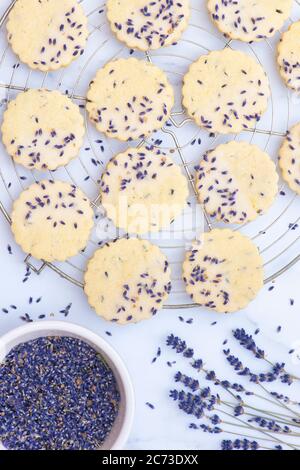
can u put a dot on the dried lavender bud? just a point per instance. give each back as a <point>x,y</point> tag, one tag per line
<point>56,394</point>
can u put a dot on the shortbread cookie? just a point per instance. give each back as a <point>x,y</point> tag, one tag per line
<point>52,220</point>
<point>129,99</point>
<point>289,158</point>
<point>236,182</point>
<point>146,24</point>
<point>127,281</point>
<point>226,91</point>
<point>42,129</point>
<point>289,57</point>
<point>143,191</point>
<point>223,271</point>
<point>249,20</point>
<point>47,34</point>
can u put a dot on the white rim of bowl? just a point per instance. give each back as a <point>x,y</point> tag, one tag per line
<point>85,334</point>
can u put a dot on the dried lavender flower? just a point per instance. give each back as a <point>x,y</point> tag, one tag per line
<point>248,342</point>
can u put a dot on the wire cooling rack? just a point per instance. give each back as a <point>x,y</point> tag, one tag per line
<point>275,233</point>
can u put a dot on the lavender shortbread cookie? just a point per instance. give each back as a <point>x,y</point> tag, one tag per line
<point>148,25</point>
<point>223,271</point>
<point>129,99</point>
<point>42,129</point>
<point>127,281</point>
<point>236,182</point>
<point>143,190</point>
<point>289,158</point>
<point>226,91</point>
<point>47,34</point>
<point>289,57</point>
<point>52,220</point>
<point>249,20</point>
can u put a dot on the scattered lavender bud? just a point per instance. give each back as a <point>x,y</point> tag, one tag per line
<point>152,407</point>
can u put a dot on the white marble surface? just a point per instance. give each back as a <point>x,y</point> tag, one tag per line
<point>164,427</point>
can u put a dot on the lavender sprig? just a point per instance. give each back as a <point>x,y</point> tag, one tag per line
<point>238,444</point>
<point>285,399</point>
<point>248,343</point>
<point>194,405</point>
<point>200,402</point>
<point>245,445</point>
<point>271,425</point>
<point>277,372</point>
<point>208,401</point>
<point>180,346</point>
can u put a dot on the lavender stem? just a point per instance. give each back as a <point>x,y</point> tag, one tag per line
<point>274,414</point>
<point>273,402</point>
<point>249,426</point>
<point>279,402</point>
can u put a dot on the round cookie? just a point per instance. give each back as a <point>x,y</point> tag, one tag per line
<point>226,91</point>
<point>47,34</point>
<point>127,280</point>
<point>143,191</point>
<point>42,129</point>
<point>52,220</point>
<point>249,20</point>
<point>289,57</point>
<point>289,158</point>
<point>223,271</point>
<point>129,99</point>
<point>148,25</point>
<point>236,182</point>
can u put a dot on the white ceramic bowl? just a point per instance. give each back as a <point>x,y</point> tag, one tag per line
<point>121,429</point>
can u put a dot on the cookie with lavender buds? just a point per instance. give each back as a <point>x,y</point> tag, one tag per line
<point>289,57</point>
<point>249,20</point>
<point>42,129</point>
<point>47,34</point>
<point>148,25</point>
<point>143,190</point>
<point>236,182</point>
<point>289,158</point>
<point>223,271</point>
<point>226,91</point>
<point>52,220</point>
<point>127,281</point>
<point>129,99</point>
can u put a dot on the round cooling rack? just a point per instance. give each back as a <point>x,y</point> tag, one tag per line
<point>276,233</point>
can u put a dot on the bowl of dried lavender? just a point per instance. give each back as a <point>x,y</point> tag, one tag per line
<point>62,387</point>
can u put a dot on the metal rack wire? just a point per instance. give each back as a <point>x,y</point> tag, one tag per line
<point>275,233</point>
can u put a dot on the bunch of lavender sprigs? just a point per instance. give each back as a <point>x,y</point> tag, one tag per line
<point>222,407</point>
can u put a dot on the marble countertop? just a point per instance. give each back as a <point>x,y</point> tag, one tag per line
<point>158,423</point>
<point>164,427</point>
